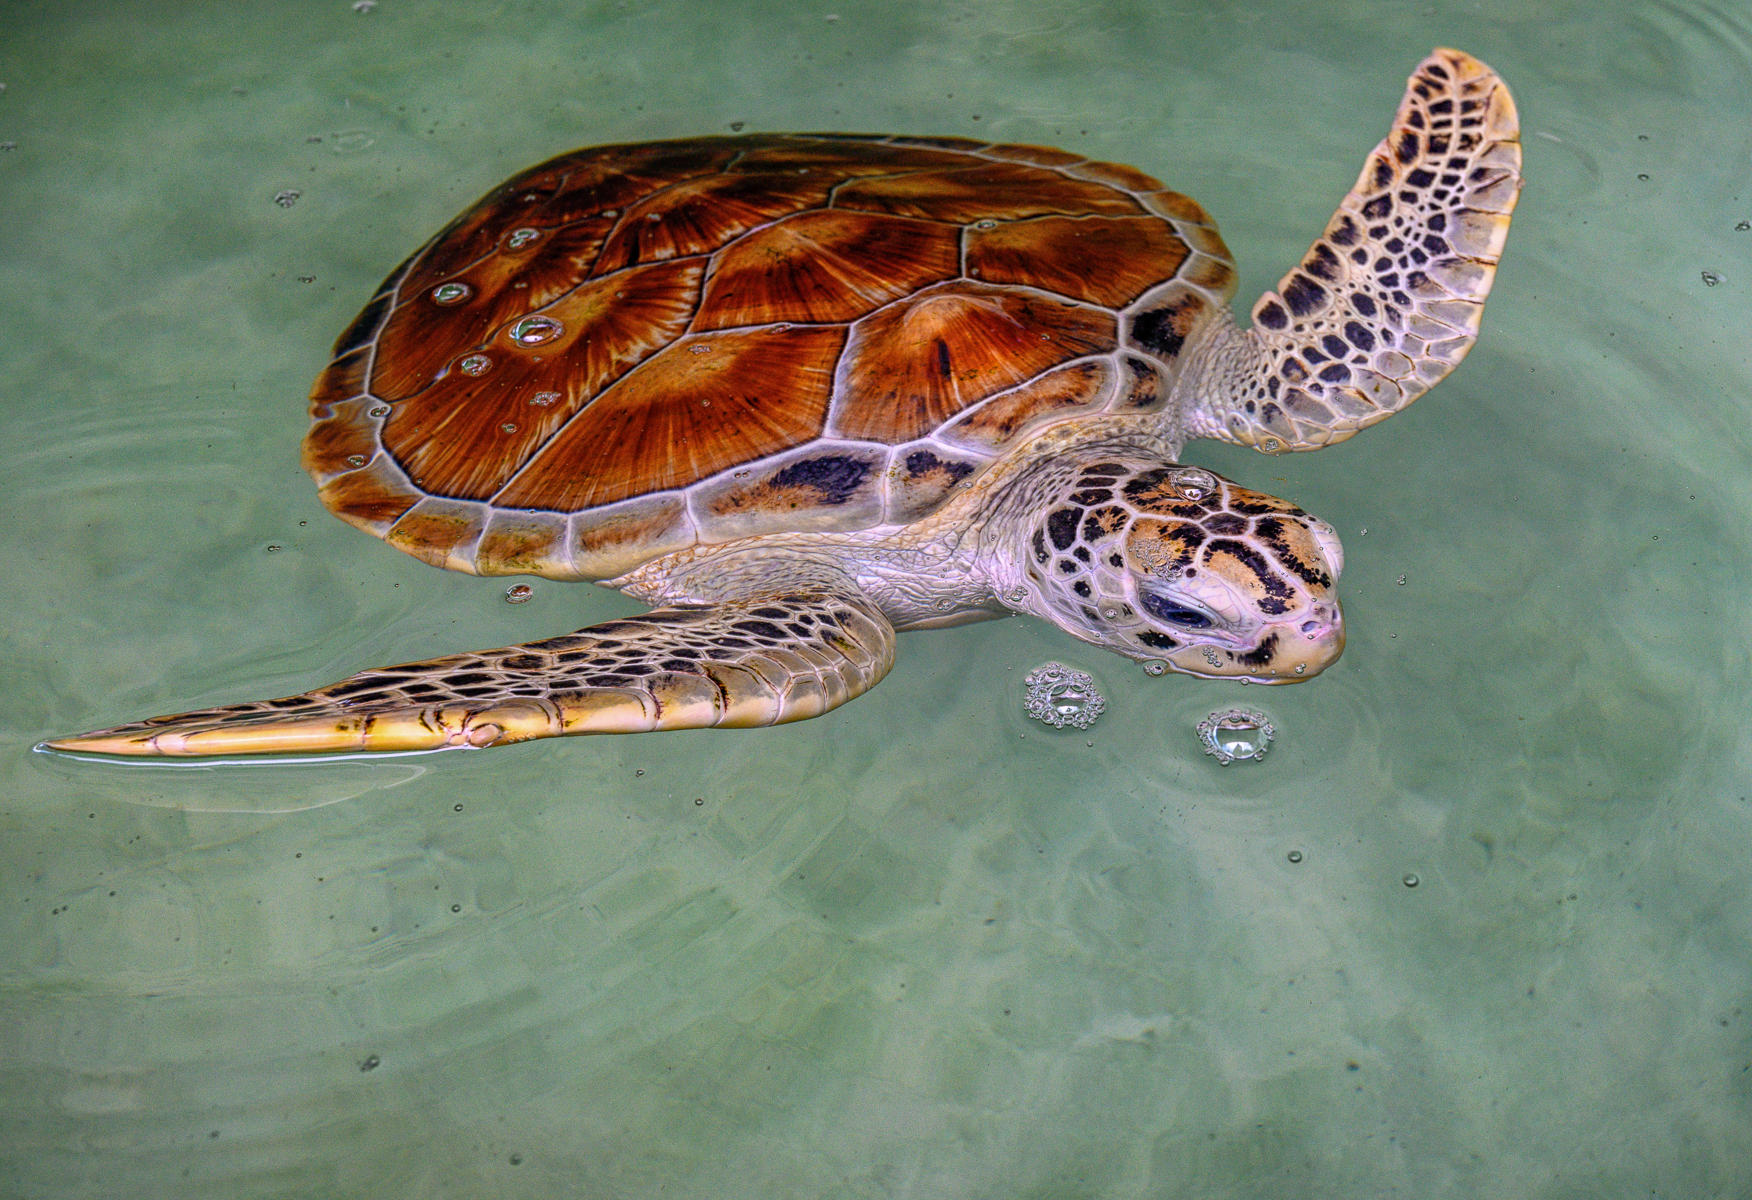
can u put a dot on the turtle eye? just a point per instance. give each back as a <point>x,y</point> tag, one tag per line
<point>1174,614</point>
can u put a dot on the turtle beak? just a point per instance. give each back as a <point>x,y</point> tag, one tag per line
<point>1287,653</point>
<point>1310,648</point>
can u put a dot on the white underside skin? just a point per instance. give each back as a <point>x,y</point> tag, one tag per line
<point>1212,581</point>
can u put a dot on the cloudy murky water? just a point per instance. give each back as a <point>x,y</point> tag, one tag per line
<point>1480,924</point>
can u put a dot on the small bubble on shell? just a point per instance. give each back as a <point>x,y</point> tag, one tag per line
<point>355,460</point>
<point>377,410</point>
<point>533,331</point>
<point>1192,483</point>
<point>520,238</point>
<point>475,364</point>
<point>543,399</point>
<point>451,293</point>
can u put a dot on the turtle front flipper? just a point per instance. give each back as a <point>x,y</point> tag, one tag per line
<point>1388,300</point>
<point>757,662</point>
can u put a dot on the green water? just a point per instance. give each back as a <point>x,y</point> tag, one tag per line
<point>922,947</point>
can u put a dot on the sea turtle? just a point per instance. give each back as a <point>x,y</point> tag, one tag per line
<point>800,392</point>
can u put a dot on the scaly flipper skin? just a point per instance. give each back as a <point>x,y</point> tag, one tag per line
<point>755,662</point>
<point>1388,301</point>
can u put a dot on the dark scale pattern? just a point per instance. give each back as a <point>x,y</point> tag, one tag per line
<point>1389,299</point>
<point>1169,531</point>
<point>774,658</point>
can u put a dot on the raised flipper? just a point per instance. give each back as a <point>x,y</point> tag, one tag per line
<point>756,662</point>
<point>1388,301</point>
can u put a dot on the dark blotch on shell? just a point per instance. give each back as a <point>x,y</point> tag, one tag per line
<point>834,479</point>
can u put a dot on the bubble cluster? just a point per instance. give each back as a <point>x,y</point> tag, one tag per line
<point>1059,695</point>
<point>1237,734</point>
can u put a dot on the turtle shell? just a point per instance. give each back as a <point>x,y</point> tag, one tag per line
<point>632,349</point>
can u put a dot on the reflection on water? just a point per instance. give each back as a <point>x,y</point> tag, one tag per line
<point>1478,925</point>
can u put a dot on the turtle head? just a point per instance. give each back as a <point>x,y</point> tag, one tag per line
<point>1178,566</point>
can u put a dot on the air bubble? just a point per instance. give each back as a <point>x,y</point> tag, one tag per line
<point>521,237</point>
<point>1410,880</point>
<point>475,364</point>
<point>355,460</point>
<point>451,293</point>
<point>1294,856</point>
<point>988,223</point>
<point>1236,735</point>
<point>1059,695</point>
<point>1192,483</point>
<point>533,331</point>
<point>543,399</point>
<point>1400,581</point>
<point>699,348</point>
<point>1742,226</point>
<point>377,410</point>
<point>518,593</point>
<point>1155,666</point>
<point>287,197</point>
<point>1711,278</point>
<point>508,427</point>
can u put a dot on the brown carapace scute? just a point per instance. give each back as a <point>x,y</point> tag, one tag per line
<point>631,349</point>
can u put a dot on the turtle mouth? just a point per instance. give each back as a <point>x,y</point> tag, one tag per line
<point>1286,653</point>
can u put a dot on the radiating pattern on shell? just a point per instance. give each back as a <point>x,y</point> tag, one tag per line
<point>630,349</point>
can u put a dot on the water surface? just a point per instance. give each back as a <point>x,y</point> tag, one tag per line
<point>925,946</point>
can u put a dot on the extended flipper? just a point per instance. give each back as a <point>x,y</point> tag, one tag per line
<point>1388,301</point>
<point>756,662</point>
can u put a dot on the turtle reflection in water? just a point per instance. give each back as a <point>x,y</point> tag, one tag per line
<point>801,392</point>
